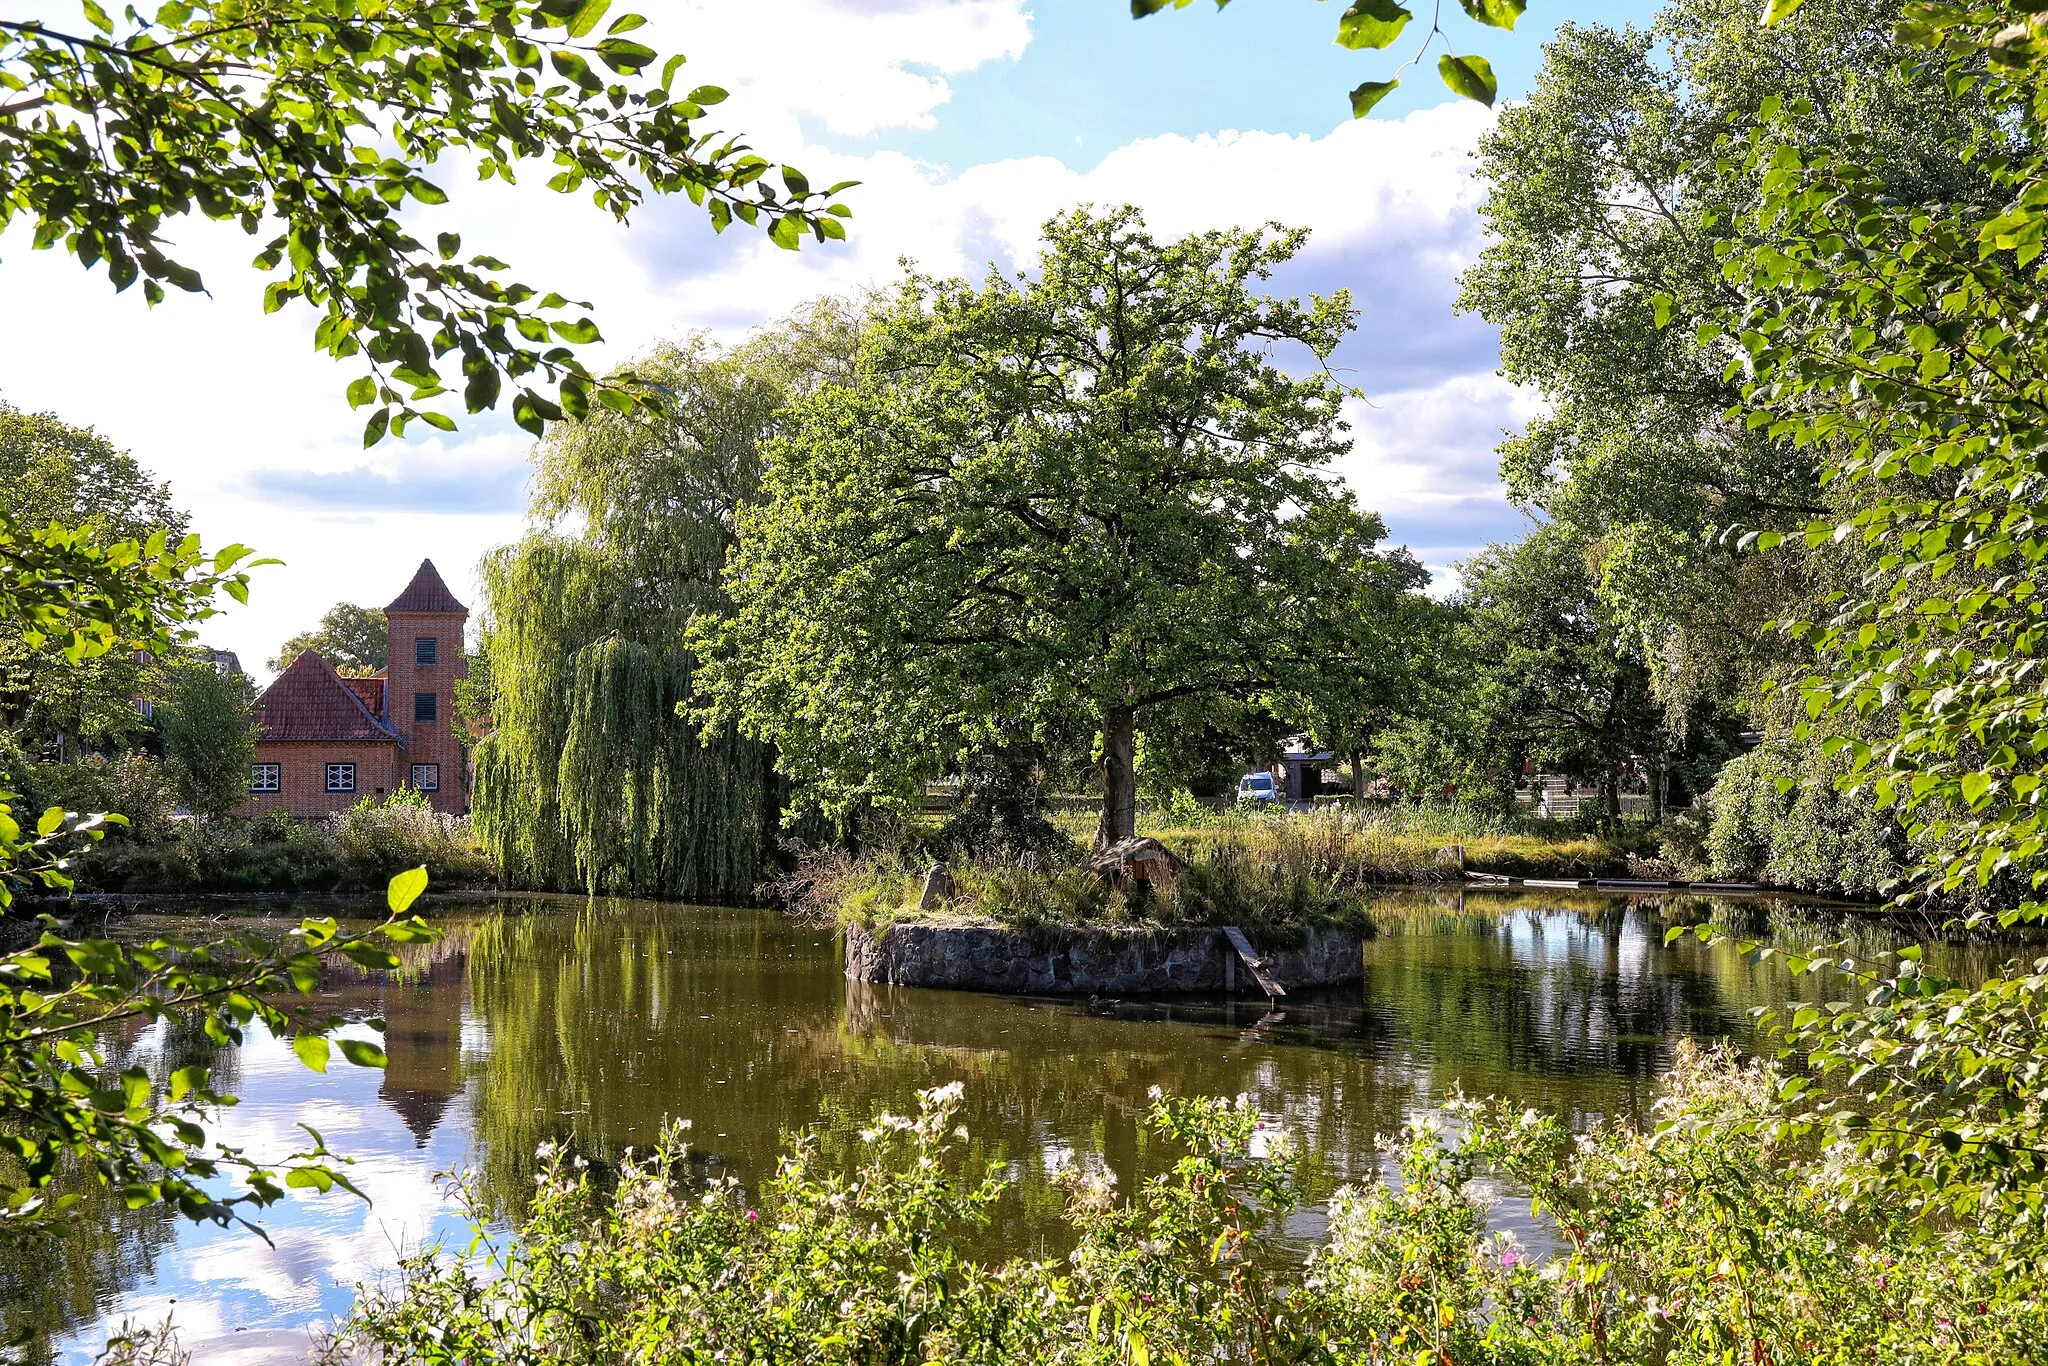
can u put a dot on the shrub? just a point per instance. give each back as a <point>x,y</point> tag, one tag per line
<point>378,840</point>
<point>1673,1247</point>
<point>1779,818</point>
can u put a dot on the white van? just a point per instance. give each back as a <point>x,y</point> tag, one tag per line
<point>1258,787</point>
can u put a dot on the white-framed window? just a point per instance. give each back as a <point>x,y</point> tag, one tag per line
<point>426,777</point>
<point>341,777</point>
<point>265,778</point>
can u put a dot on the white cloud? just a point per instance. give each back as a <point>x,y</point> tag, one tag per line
<point>857,66</point>
<point>1424,459</point>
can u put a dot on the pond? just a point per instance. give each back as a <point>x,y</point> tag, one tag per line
<point>590,1022</point>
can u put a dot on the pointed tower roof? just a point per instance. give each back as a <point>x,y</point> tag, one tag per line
<point>309,701</point>
<point>426,593</point>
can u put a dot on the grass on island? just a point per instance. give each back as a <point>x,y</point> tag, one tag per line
<point>1265,869</point>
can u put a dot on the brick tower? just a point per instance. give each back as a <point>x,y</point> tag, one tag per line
<point>426,658</point>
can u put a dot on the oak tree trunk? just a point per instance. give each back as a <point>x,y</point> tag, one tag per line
<point>1119,820</point>
<point>1357,775</point>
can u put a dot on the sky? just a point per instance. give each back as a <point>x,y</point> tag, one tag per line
<point>968,123</point>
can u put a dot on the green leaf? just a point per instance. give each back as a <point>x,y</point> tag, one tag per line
<point>405,889</point>
<point>312,1050</point>
<point>374,429</point>
<point>361,1052</point>
<point>370,956</point>
<point>587,17</point>
<point>625,56</point>
<point>316,1178</point>
<point>579,333</point>
<point>1495,13</point>
<point>1372,24</point>
<point>362,390</point>
<point>1471,77</point>
<point>448,244</point>
<point>572,68</point>
<point>50,821</point>
<point>1364,97</point>
<point>1776,10</point>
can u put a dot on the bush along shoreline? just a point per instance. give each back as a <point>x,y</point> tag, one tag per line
<point>161,852</point>
<point>1670,1246</point>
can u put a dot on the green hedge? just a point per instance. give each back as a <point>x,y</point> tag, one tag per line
<point>1778,817</point>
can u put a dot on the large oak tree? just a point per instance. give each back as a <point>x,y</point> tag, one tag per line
<point>1087,494</point>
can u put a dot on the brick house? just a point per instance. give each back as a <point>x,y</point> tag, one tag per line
<point>324,741</point>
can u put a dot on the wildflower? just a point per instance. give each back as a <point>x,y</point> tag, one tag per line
<point>1509,1258</point>
<point>1154,1092</point>
<point>753,1216</point>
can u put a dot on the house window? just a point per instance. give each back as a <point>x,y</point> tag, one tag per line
<point>423,706</point>
<point>426,777</point>
<point>341,777</point>
<point>263,777</point>
<point>424,651</point>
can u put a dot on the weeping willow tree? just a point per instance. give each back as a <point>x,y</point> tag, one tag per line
<point>591,777</point>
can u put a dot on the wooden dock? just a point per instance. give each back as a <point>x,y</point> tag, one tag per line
<point>1252,960</point>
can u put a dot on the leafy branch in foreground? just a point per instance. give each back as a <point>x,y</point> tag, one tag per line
<point>143,1135</point>
<point>62,584</point>
<point>1375,24</point>
<point>1937,1088</point>
<point>320,116</point>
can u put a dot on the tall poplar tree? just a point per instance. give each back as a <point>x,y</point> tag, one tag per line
<point>591,776</point>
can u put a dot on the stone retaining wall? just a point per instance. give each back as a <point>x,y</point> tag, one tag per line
<point>1091,962</point>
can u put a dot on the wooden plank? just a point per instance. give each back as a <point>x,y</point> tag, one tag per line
<point>1252,960</point>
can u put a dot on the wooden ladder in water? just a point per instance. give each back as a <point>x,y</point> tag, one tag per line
<point>1273,989</point>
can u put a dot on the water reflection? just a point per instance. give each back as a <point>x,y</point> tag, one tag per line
<point>589,1022</point>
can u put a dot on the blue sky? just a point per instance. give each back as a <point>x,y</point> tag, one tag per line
<point>968,122</point>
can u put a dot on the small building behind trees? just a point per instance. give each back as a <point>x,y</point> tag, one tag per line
<point>324,741</point>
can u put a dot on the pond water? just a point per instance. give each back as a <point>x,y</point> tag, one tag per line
<point>589,1022</point>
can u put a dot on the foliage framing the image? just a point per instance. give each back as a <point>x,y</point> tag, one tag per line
<point>146,1136</point>
<point>322,116</point>
<point>1371,24</point>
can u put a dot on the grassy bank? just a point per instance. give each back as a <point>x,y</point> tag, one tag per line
<point>1272,869</point>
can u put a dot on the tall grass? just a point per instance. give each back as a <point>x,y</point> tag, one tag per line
<point>1265,868</point>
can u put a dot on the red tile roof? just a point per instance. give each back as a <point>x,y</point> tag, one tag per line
<point>310,701</point>
<point>371,692</point>
<point>426,593</point>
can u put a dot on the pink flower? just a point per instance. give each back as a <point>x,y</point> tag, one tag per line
<point>1509,1258</point>
<point>753,1216</point>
